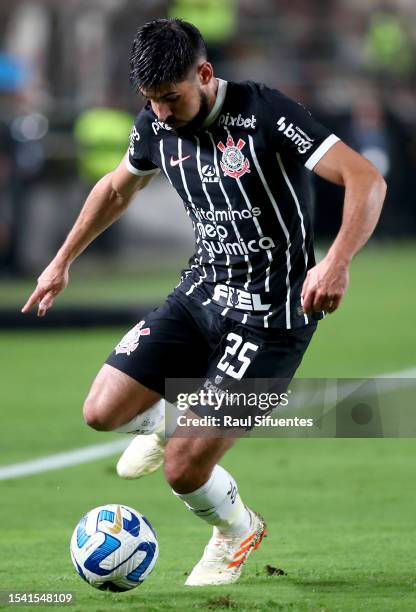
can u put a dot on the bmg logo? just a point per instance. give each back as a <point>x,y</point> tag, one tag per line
<point>296,135</point>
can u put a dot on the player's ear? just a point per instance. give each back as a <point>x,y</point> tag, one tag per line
<point>205,72</point>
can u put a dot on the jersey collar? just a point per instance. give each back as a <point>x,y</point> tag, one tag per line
<point>216,109</point>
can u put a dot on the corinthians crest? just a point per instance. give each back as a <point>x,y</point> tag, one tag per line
<point>233,162</point>
<point>130,341</point>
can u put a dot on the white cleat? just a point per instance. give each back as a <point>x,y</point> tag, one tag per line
<point>143,456</point>
<point>224,556</point>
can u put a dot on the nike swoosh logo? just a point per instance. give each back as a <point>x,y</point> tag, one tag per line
<point>176,162</point>
<point>117,522</point>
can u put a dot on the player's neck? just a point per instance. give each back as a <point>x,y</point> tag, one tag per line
<point>212,93</point>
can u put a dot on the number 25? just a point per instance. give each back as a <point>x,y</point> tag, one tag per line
<point>235,343</point>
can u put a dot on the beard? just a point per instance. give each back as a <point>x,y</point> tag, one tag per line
<point>197,122</point>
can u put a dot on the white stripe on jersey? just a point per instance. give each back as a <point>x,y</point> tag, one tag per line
<point>267,281</point>
<point>249,271</point>
<point>185,186</point>
<point>285,231</point>
<point>295,197</point>
<point>162,157</point>
<point>211,206</point>
<point>260,232</point>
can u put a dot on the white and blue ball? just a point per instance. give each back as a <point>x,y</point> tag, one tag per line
<point>114,548</point>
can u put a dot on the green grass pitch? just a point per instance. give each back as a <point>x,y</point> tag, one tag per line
<point>340,512</point>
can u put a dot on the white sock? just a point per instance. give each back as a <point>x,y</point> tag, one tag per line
<point>218,503</point>
<point>149,421</point>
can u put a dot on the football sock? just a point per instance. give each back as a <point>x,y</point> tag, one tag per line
<point>218,503</point>
<point>149,421</point>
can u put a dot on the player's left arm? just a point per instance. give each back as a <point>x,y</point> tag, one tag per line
<point>365,189</point>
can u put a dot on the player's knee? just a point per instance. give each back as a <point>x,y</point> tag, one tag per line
<point>96,416</point>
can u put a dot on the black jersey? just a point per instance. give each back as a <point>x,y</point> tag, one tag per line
<point>243,182</point>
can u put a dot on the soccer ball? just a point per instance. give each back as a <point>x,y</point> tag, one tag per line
<point>114,548</point>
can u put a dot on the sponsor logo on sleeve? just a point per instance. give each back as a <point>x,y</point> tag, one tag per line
<point>233,162</point>
<point>239,121</point>
<point>296,135</point>
<point>133,138</point>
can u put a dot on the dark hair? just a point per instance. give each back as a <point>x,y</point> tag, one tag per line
<point>164,51</point>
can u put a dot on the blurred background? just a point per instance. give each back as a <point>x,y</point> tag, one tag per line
<point>66,108</point>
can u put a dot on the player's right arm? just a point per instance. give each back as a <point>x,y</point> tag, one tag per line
<point>105,204</point>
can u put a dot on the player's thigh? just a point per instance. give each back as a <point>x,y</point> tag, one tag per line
<point>166,344</point>
<point>115,398</point>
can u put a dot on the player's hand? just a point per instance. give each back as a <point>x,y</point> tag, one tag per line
<point>52,281</point>
<point>325,286</point>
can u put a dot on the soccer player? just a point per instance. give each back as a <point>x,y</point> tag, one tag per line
<point>248,304</point>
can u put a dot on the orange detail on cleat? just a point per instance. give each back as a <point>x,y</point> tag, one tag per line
<point>246,546</point>
<point>236,563</point>
<point>220,563</point>
<point>242,550</point>
<point>250,537</point>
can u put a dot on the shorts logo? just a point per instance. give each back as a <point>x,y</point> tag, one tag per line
<point>296,135</point>
<point>133,138</point>
<point>209,174</point>
<point>233,162</point>
<point>130,341</point>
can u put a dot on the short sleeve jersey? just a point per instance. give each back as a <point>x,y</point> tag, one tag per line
<point>244,183</point>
